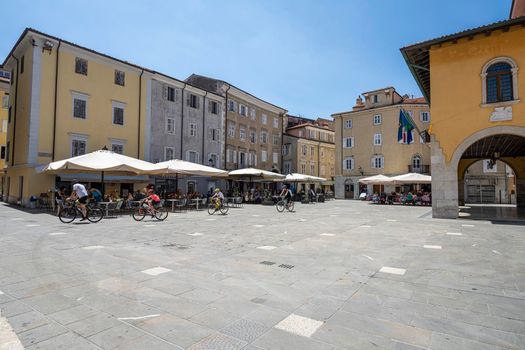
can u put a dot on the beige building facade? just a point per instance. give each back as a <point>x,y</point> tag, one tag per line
<point>309,148</point>
<point>254,127</point>
<point>4,114</point>
<point>366,140</point>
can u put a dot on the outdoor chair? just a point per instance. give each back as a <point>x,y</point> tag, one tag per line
<point>181,205</point>
<point>191,204</point>
<point>203,203</point>
<point>238,202</point>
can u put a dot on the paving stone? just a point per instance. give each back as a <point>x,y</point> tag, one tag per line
<point>27,320</point>
<point>66,341</point>
<point>39,334</point>
<point>245,330</point>
<point>266,316</point>
<point>276,339</point>
<point>218,341</point>
<point>117,336</point>
<point>73,314</point>
<point>147,342</point>
<point>50,303</point>
<point>215,318</point>
<point>299,325</point>
<point>94,324</point>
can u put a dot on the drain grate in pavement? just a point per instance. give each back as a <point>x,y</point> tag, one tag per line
<point>267,263</point>
<point>285,266</point>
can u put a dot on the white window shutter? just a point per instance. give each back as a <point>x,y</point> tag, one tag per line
<point>164,92</point>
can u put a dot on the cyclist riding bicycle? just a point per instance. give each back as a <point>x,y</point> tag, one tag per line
<point>152,199</point>
<point>80,193</point>
<point>286,194</point>
<point>218,198</point>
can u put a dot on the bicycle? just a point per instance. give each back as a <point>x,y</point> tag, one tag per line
<point>213,207</point>
<point>144,209</point>
<point>70,210</point>
<point>280,206</point>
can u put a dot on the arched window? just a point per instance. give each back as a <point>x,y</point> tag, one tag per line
<point>416,163</point>
<point>500,80</point>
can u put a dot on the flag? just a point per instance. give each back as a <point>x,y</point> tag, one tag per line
<point>404,130</point>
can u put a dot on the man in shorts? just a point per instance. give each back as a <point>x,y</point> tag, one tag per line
<point>79,192</point>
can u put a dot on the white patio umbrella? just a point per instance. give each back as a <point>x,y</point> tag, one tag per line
<point>412,178</point>
<point>182,167</point>
<point>102,161</point>
<point>377,180</point>
<point>296,177</point>
<point>255,173</point>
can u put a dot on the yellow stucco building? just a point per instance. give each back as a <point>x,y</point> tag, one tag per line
<point>473,81</point>
<point>4,112</point>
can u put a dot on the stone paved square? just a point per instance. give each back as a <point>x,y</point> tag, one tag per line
<point>216,294</point>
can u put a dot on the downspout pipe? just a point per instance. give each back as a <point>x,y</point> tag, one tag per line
<point>140,115</point>
<point>14,112</point>
<point>226,127</point>
<point>55,103</point>
<point>182,121</point>
<point>282,127</point>
<point>203,123</point>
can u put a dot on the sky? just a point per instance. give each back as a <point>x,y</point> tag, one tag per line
<point>312,58</point>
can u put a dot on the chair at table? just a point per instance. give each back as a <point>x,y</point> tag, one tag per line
<point>238,202</point>
<point>181,204</point>
<point>203,203</point>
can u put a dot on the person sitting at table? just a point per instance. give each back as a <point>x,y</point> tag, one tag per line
<point>312,195</point>
<point>425,199</point>
<point>409,199</point>
<point>96,195</point>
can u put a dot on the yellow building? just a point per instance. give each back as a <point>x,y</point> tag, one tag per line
<point>308,148</point>
<point>366,141</point>
<point>473,80</point>
<point>4,108</point>
<point>67,100</point>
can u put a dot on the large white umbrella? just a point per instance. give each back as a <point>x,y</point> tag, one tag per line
<point>182,167</point>
<point>296,177</point>
<point>255,173</point>
<point>102,162</point>
<point>412,178</point>
<point>376,179</point>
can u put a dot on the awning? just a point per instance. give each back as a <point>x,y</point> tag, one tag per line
<point>328,183</point>
<point>87,177</point>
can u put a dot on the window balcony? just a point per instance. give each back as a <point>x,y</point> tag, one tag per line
<point>422,169</point>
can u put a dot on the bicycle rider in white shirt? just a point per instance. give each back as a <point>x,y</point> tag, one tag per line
<point>79,192</point>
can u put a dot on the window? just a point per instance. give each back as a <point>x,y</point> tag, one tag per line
<point>303,168</point>
<point>348,124</point>
<point>275,157</point>
<point>214,107</point>
<point>81,66</point>
<point>377,139</point>
<point>5,102</point>
<point>489,166</point>
<point>242,110</point>
<point>78,147</point>
<point>253,136</point>
<point>22,65</point>
<point>424,116</point>
<point>170,94</point>
<point>169,153</point>
<point>416,162</point>
<point>79,106</point>
<point>118,115</point>
<point>348,163</point>
<point>193,129</point>
<point>287,148</point>
<point>264,137</point>
<point>276,123</point>
<point>287,167</point>
<point>376,99</point>
<point>120,77</point>
<point>170,125</point>
<point>242,133</point>
<point>231,130</point>
<point>228,155</point>
<point>4,125</point>
<point>378,162</point>
<point>301,133</point>
<point>213,134</point>
<point>192,156</point>
<point>304,150</point>
<point>232,105</point>
<point>276,139</point>
<point>2,152</point>
<point>312,169</point>
<point>264,119</point>
<point>212,160</point>
<point>252,113</point>
<point>117,148</point>
<point>499,83</point>
<point>348,142</point>
<point>377,119</point>
<point>193,101</point>
<point>264,156</point>
<point>312,151</point>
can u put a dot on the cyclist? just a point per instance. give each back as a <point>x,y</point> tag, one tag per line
<point>218,198</point>
<point>79,192</point>
<point>152,199</point>
<point>286,194</point>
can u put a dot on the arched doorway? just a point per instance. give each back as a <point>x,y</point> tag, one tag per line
<point>503,143</point>
<point>487,182</point>
<point>349,189</point>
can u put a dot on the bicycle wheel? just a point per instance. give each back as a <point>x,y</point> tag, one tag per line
<point>161,213</point>
<point>139,214</point>
<point>211,209</point>
<point>67,215</point>
<point>280,206</point>
<point>290,206</point>
<point>224,209</point>
<point>94,214</point>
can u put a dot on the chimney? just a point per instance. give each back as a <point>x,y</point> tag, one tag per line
<point>358,103</point>
<point>517,9</point>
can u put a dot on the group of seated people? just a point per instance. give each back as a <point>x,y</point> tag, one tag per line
<point>407,198</point>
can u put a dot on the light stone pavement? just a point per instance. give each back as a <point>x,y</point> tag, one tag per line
<point>337,275</point>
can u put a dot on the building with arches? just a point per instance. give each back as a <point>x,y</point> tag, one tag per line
<point>472,81</point>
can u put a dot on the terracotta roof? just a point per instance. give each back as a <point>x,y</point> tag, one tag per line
<point>414,100</point>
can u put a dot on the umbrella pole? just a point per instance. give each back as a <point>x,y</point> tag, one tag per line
<point>176,183</point>
<point>103,186</point>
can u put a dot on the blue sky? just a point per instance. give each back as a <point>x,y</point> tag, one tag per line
<point>311,57</point>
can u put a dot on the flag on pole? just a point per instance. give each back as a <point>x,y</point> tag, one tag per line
<point>404,130</point>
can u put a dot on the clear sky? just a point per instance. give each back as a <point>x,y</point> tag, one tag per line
<point>311,57</point>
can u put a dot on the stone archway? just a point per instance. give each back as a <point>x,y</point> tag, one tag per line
<point>349,189</point>
<point>445,173</point>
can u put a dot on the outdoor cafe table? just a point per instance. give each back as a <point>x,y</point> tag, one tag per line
<point>173,202</point>
<point>105,204</point>
<point>196,201</point>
